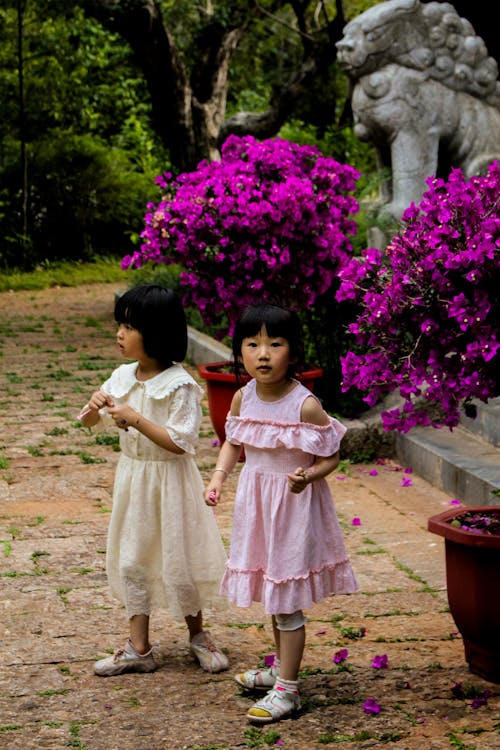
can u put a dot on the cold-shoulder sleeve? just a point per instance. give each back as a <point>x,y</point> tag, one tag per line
<point>318,440</point>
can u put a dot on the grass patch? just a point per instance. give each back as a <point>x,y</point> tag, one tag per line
<point>45,693</point>
<point>56,431</point>
<point>61,592</point>
<point>352,633</point>
<point>35,451</point>
<point>100,271</point>
<point>87,458</point>
<point>35,559</point>
<point>255,737</point>
<point>7,547</point>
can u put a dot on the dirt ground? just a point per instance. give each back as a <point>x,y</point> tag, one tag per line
<point>57,618</point>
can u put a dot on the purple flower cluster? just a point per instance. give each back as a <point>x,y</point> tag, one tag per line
<point>271,220</point>
<point>484,522</point>
<point>429,321</point>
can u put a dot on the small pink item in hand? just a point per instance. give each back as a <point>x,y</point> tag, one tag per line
<point>86,410</point>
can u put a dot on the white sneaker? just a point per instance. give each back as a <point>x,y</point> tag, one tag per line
<point>126,660</point>
<point>210,657</point>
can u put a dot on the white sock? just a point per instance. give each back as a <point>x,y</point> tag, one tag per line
<point>287,686</point>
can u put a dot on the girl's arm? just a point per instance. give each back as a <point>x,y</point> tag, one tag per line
<point>313,413</point>
<point>89,415</point>
<point>125,417</point>
<point>226,460</point>
<point>322,466</point>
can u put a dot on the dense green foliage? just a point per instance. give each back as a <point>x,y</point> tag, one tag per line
<point>78,155</point>
<point>79,147</point>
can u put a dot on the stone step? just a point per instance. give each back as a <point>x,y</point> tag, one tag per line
<point>486,425</point>
<point>460,463</point>
<point>203,349</point>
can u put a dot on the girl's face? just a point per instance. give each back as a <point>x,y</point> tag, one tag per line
<point>266,358</point>
<point>129,341</point>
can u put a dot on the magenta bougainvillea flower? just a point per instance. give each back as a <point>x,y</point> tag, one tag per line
<point>340,656</point>
<point>380,662</point>
<point>429,321</point>
<point>270,220</point>
<point>485,522</point>
<point>479,697</point>
<point>269,660</point>
<point>356,521</point>
<point>371,706</point>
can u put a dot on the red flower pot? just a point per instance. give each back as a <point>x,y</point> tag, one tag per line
<point>472,581</point>
<point>221,387</point>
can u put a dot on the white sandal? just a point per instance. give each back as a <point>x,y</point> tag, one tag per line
<point>256,679</point>
<point>276,705</point>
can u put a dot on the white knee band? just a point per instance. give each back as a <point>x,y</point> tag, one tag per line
<point>290,622</point>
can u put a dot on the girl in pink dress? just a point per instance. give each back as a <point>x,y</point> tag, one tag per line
<point>287,549</point>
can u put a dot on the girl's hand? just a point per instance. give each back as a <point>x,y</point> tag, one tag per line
<point>298,481</point>
<point>213,491</point>
<point>124,416</point>
<point>99,400</point>
<point>212,497</point>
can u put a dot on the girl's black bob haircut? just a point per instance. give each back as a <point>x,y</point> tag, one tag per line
<point>278,321</point>
<point>157,313</point>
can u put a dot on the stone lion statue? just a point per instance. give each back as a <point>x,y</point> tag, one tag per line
<point>425,93</point>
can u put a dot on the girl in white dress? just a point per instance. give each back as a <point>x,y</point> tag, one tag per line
<point>164,548</point>
<point>287,549</point>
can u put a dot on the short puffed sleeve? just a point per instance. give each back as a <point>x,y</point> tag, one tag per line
<point>184,417</point>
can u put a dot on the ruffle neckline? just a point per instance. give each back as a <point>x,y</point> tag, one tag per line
<point>123,379</point>
<point>319,440</point>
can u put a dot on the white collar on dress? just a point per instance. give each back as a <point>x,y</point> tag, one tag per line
<point>123,379</point>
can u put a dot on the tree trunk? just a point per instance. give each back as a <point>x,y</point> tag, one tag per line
<point>189,113</point>
<point>186,115</point>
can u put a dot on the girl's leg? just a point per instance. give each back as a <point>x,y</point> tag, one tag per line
<point>284,698</point>
<point>262,678</point>
<point>277,642</point>
<point>139,633</point>
<point>195,624</point>
<point>292,644</point>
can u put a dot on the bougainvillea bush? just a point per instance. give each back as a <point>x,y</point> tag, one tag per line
<point>429,324</point>
<point>270,221</point>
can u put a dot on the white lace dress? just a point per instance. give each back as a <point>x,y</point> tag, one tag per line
<point>164,548</point>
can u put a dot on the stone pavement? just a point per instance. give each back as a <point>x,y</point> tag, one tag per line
<point>56,616</point>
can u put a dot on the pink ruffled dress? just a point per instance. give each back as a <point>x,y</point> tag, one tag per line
<point>287,550</point>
